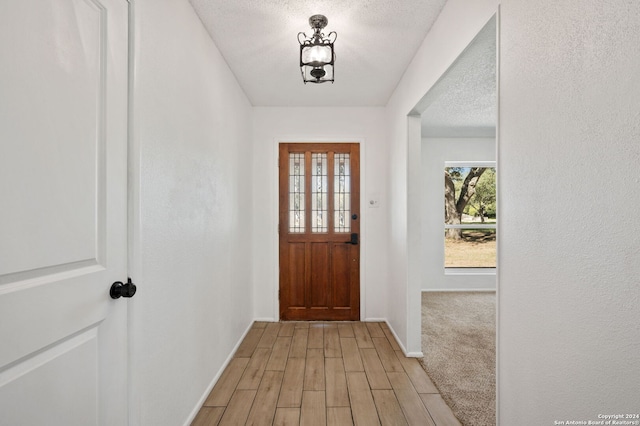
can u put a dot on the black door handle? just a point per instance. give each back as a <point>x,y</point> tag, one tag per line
<point>118,289</point>
<point>353,240</point>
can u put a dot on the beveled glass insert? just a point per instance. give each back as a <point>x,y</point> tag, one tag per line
<point>319,193</point>
<point>342,193</point>
<point>296,193</point>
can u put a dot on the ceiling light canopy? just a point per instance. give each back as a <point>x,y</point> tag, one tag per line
<point>316,52</point>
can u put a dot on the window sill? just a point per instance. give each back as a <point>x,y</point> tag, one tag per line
<point>470,271</point>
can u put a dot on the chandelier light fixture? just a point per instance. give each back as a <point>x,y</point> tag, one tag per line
<point>316,52</point>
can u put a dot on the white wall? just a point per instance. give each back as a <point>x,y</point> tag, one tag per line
<point>435,151</point>
<point>569,296</point>
<point>457,25</point>
<point>569,252</point>
<point>192,239</point>
<point>366,125</point>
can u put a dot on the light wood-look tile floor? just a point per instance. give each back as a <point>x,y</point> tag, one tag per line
<point>315,373</point>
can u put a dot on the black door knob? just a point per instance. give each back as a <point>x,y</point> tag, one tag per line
<point>118,289</point>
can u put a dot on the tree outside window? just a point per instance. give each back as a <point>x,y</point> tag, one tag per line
<point>470,215</point>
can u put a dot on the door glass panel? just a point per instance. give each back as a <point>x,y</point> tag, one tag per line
<point>319,193</point>
<point>296,193</point>
<point>342,193</point>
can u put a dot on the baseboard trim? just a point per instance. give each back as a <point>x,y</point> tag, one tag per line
<point>203,398</point>
<point>399,342</point>
<point>265,319</point>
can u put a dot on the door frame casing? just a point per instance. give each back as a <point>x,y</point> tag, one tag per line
<point>276,214</point>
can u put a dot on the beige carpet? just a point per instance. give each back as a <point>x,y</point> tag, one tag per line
<point>459,346</point>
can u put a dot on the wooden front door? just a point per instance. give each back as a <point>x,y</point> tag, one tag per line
<point>319,231</point>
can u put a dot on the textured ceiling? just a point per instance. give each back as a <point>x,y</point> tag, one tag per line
<point>376,41</point>
<point>463,102</point>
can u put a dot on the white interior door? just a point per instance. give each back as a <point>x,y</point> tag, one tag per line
<point>63,169</point>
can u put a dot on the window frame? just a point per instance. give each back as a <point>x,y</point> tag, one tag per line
<point>461,270</point>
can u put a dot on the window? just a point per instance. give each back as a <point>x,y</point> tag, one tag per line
<point>319,193</point>
<point>296,193</point>
<point>470,215</point>
<point>328,182</point>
